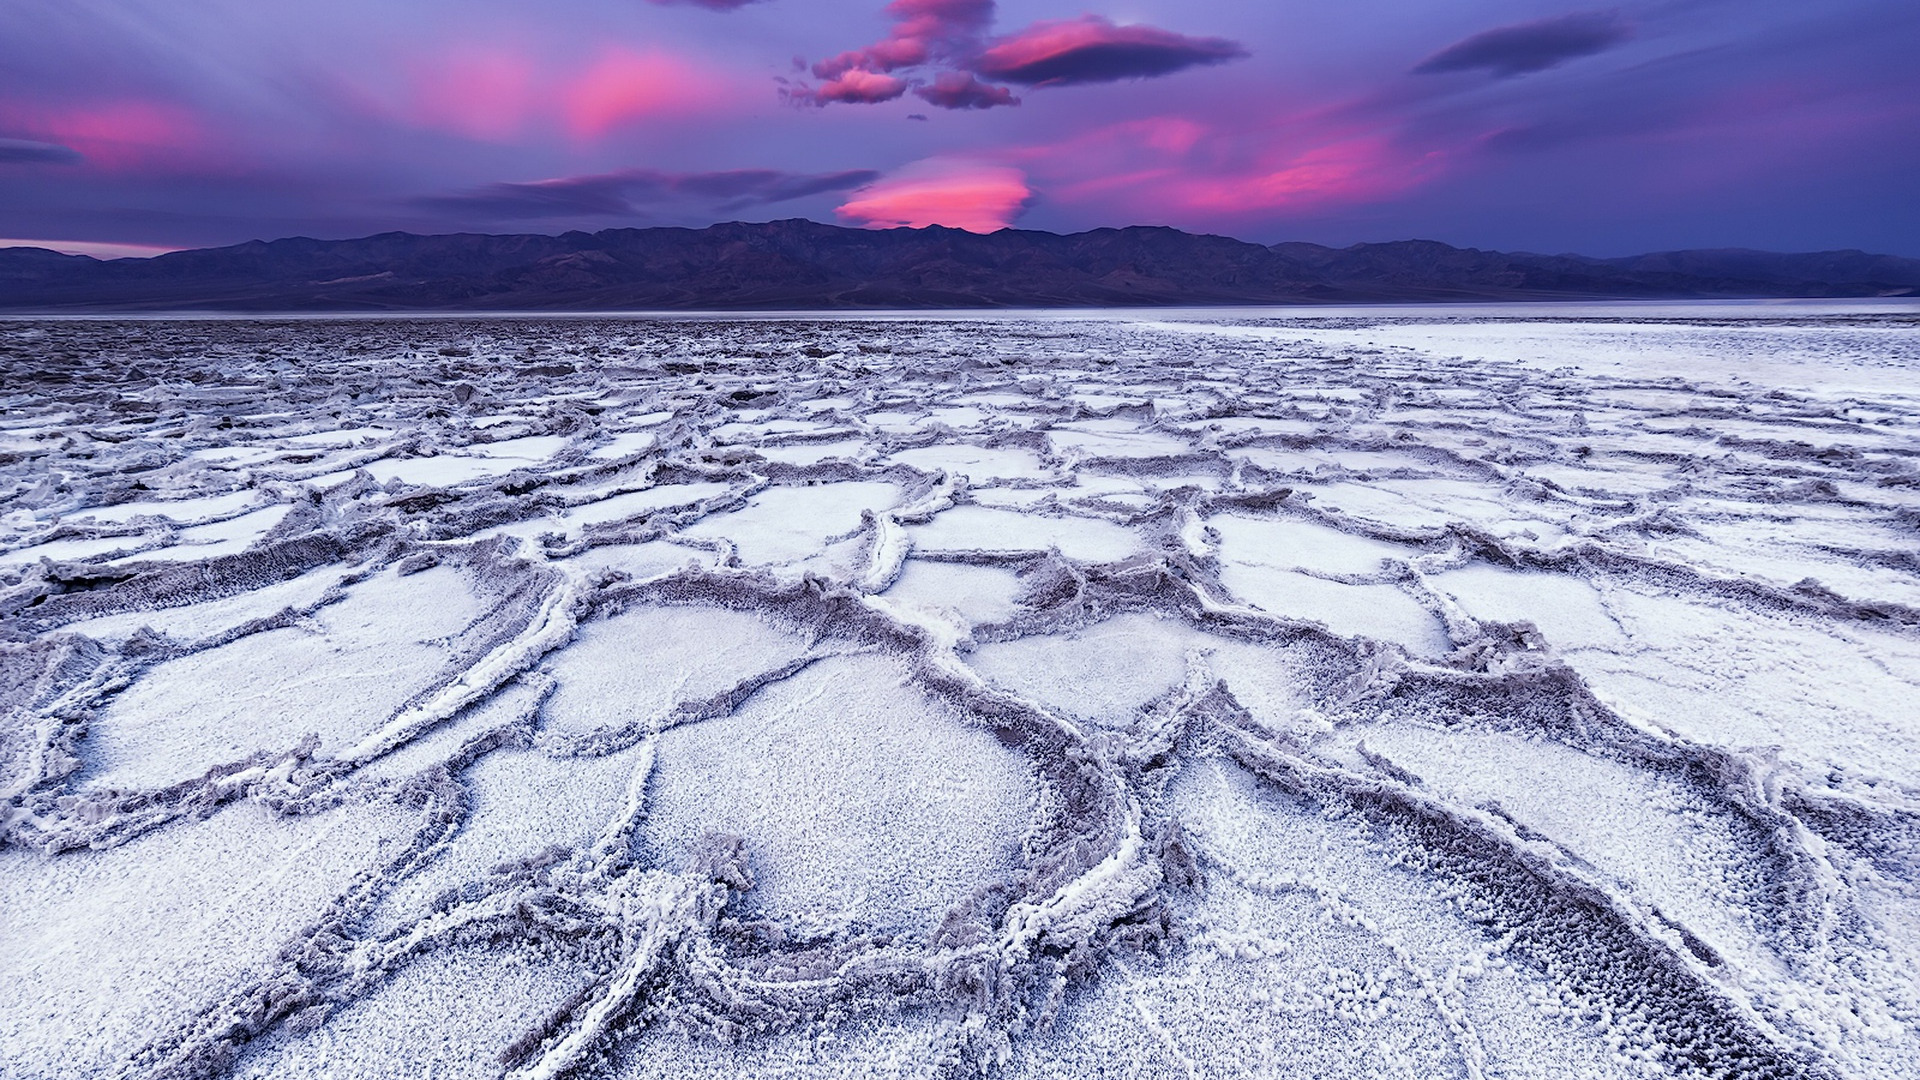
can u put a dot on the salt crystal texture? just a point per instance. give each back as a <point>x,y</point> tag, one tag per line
<point>1316,693</point>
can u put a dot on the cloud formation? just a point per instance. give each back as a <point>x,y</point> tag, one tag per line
<point>962,90</point>
<point>951,34</point>
<point>1230,170</point>
<point>30,152</point>
<point>923,31</point>
<point>1789,125</point>
<point>710,5</point>
<point>630,191</point>
<point>622,86</point>
<point>857,86</point>
<point>960,195</point>
<point>122,135</point>
<point>1533,46</point>
<point>1093,49</point>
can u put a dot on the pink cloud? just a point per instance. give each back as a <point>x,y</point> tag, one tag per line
<point>922,30</point>
<point>117,135</point>
<point>856,86</point>
<point>1089,49</point>
<point>1181,171</point>
<point>1363,169</point>
<point>623,87</point>
<point>504,93</point>
<point>960,195</point>
<point>481,91</point>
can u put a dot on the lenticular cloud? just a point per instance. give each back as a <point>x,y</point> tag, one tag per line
<point>960,195</point>
<point>1533,46</point>
<point>1092,49</point>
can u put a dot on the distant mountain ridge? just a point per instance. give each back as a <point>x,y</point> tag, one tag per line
<point>798,264</point>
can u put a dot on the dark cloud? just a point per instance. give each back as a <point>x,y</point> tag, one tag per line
<point>630,191</point>
<point>28,152</point>
<point>1533,46</point>
<point>960,90</point>
<point>1092,49</point>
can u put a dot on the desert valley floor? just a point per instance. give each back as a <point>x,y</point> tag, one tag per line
<point>1417,693</point>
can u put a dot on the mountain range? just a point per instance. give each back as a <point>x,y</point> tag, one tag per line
<point>798,264</point>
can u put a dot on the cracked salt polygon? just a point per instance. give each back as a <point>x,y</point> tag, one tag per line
<point>915,1046</point>
<point>1383,612</point>
<point>1675,839</point>
<point>864,801</point>
<point>572,520</point>
<point>185,511</point>
<point>785,524</point>
<point>218,538</point>
<point>447,1014</point>
<point>1570,612</point>
<point>1103,673</point>
<point>980,528</point>
<point>531,448</point>
<point>974,594</point>
<point>813,453</point>
<point>1269,987</point>
<point>981,464</point>
<point>194,622</point>
<point>639,561</point>
<point>1667,843</point>
<point>338,675</point>
<point>108,950</point>
<point>1298,544</point>
<point>67,550</point>
<point>1077,442</point>
<point>522,803</point>
<point>1718,675</point>
<point>635,667</point>
<point>1829,697</point>
<point>625,444</point>
<point>440,470</point>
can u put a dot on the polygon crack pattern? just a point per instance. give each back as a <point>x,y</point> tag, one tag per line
<point>1328,694</point>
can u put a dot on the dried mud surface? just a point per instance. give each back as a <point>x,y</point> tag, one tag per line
<point>1446,695</point>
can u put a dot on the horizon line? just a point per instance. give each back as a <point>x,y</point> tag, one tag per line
<point>98,250</point>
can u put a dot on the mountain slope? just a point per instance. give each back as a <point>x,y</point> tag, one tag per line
<point>803,264</point>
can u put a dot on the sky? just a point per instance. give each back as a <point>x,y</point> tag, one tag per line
<point>131,126</point>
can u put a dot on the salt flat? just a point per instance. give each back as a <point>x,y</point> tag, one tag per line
<point>1478,692</point>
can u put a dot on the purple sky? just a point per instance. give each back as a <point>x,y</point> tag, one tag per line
<point>1513,124</point>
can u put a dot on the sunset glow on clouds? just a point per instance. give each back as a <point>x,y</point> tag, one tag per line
<point>1358,171</point>
<point>622,87</point>
<point>113,136</point>
<point>497,93</point>
<point>482,92</point>
<point>960,195</point>
<point>1606,128</point>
